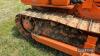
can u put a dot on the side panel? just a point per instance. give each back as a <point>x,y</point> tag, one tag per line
<point>45,2</point>
<point>27,2</point>
<point>30,2</point>
<point>61,2</point>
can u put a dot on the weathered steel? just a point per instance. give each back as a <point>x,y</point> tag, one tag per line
<point>69,20</point>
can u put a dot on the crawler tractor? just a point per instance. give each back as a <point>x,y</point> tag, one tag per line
<point>70,26</point>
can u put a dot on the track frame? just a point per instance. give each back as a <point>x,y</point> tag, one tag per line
<point>66,48</point>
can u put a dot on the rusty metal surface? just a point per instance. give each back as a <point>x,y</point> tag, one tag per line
<point>63,18</point>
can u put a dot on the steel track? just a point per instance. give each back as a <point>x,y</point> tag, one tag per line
<point>50,25</point>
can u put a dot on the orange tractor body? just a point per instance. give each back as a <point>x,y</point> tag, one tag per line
<point>85,9</point>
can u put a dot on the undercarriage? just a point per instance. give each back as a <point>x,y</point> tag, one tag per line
<point>61,27</point>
